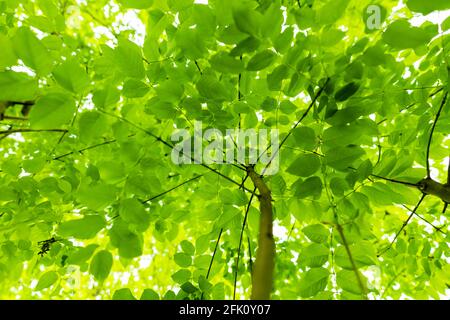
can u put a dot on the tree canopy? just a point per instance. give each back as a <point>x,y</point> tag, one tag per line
<point>93,207</point>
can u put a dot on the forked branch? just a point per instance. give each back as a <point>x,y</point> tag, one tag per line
<point>404,224</point>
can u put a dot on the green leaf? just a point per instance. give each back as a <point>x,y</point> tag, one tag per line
<point>249,44</point>
<point>96,197</point>
<point>305,138</point>
<point>188,287</point>
<point>129,243</point>
<point>348,281</point>
<point>52,111</point>
<point>401,35</point>
<point>274,79</point>
<point>348,115</point>
<point>341,158</point>
<point>364,170</point>
<point>31,51</point>
<point>317,233</point>
<point>46,280</point>
<point>374,56</point>
<point>233,197</point>
<point>16,86</point>
<point>359,131</point>
<point>84,228</point>
<point>209,87</point>
<point>161,109</point>
<point>137,4</point>
<point>246,19</point>
<point>305,165</point>
<point>311,187</point>
<point>191,43</point>
<point>128,59</point>
<point>34,165</point>
<point>346,92</point>
<point>7,55</point>
<point>261,60</point>
<point>313,281</point>
<point>181,276</point>
<point>427,7</point>
<point>284,40</point>
<point>82,254</point>
<point>187,247</point>
<point>277,185</point>
<point>272,20</point>
<point>123,294</point>
<point>71,76</point>
<point>315,255</point>
<point>149,294</point>
<point>445,25</point>
<point>133,88</point>
<point>105,97</point>
<point>338,186</point>
<point>184,260</point>
<point>132,211</point>
<point>225,63</point>
<point>170,91</point>
<point>92,125</point>
<point>363,255</point>
<point>331,11</point>
<point>101,265</point>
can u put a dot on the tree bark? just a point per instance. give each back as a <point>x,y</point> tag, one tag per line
<point>434,188</point>
<point>262,277</point>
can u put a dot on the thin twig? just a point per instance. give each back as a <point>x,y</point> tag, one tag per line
<point>240,241</point>
<point>87,148</point>
<point>14,118</point>
<point>214,253</point>
<point>198,67</point>
<point>344,239</point>
<point>352,261</point>
<point>274,153</point>
<point>425,220</point>
<point>159,139</point>
<point>171,189</point>
<point>404,224</point>
<point>431,133</point>
<point>395,181</point>
<point>11,131</point>
<point>213,256</point>
<point>250,259</point>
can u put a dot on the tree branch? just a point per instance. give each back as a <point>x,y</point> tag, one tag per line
<point>198,67</point>
<point>448,172</point>
<point>240,242</point>
<point>352,261</point>
<point>11,131</point>
<point>14,118</point>
<point>159,139</point>
<point>171,189</point>
<point>425,220</point>
<point>344,239</point>
<point>87,148</point>
<point>396,181</point>
<point>432,131</point>
<point>319,93</point>
<point>404,224</point>
<point>214,253</point>
<point>262,277</point>
<point>213,256</point>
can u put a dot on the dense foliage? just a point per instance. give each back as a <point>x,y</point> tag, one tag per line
<point>92,206</point>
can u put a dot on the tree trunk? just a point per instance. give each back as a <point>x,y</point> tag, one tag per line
<point>262,278</point>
